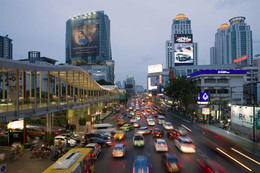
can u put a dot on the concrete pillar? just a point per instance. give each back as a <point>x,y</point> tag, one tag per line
<point>49,122</point>
<point>83,88</point>
<point>40,90</point>
<point>79,86</point>
<point>30,89</point>
<point>17,91</point>
<point>48,92</point>
<point>3,85</point>
<point>55,86</point>
<point>73,88</point>
<point>59,88</point>
<point>35,92</point>
<point>66,87</point>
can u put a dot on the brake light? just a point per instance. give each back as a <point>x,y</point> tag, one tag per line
<point>147,169</point>
<point>193,146</point>
<point>210,170</point>
<point>171,134</point>
<point>157,145</point>
<point>167,164</point>
<point>179,164</point>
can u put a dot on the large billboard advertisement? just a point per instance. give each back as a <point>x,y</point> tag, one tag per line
<point>85,40</point>
<point>183,38</point>
<point>150,86</point>
<point>155,68</point>
<point>183,53</point>
<point>154,80</point>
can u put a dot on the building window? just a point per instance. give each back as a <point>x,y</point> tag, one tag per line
<point>210,81</point>
<point>222,81</point>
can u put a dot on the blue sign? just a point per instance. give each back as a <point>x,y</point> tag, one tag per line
<point>204,97</point>
<point>224,72</point>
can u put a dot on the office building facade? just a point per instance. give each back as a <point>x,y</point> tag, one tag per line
<point>6,47</point>
<point>233,41</point>
<point>88,41</point>
<point>184,50</point>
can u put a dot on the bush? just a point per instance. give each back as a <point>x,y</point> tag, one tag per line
<point>49,138</point>
<point>82,121</point>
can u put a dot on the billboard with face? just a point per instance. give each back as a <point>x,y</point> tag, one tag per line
<point>85,40</point>
<point>183,53</point>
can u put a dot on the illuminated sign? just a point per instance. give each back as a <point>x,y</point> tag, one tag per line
<point>183,53</point>
<point>205,111</point>
<point>240,59</point>
<point>183,38</point>
<point>155,68</point>
<point>160,79</point>
<point>130,76</point>
<point>204,97</point>
<point>217,72</point>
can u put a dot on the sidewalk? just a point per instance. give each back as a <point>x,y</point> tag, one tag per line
<point>250,146</point>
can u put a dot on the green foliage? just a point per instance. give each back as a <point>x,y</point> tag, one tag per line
<point>82,121</point>
<point>183,90</point>
<point>49,138</point>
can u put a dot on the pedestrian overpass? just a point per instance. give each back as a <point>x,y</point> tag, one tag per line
<point>28,90</point>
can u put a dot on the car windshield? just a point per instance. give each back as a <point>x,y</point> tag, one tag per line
<point>118,148</point>
<point>172,159</point>
<point>138,138</point>
<point>161,143</point>
<point>141,162</point>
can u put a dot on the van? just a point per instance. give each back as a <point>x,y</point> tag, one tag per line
<point>161,119</point>
<point>103,127</point>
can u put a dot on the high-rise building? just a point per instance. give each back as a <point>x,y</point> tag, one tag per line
<point>88,41</point>
<point>233,41</point>
<point>119,85</point>
<point>184,51</point>
<point>6,47</point>
<point>130,84</point>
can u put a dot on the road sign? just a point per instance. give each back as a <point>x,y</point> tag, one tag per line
<point>3,168</point>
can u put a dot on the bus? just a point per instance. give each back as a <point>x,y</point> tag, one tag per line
<point>76,160</point>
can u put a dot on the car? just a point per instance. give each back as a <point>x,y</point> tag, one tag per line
<point>141,165</point>
<point>172,134</point>
<point>157,133</point>
<point>126,110</point>
<point>171,163</point>
<point>137,117</point>
<point>109,135</point>
<point>137,124</point>
<point>100,141</point>
<point>168,126</point>
<point>161,119</point>
<point>119,135</point>
<point>138,140</point>
<point>133,120</point>
<point>182,131</point>
<point>119,150</point>
<point>130,115</point>
<point>183,57</point>
<point>208,166</point>
<point>96,135</point>
<point>144,130</point>
<point>160,145</point>
<point>151,122</point>
<point>120,118</point>
<point>64,140</point>
<point>126,127</point>
<point>121,122</point>
<point>71,136</point>
<point>184,144</point>
<point>38,132</point>
<point>96,149</point>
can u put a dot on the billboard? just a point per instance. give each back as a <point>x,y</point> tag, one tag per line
<point>155,68</point>
<point>240,59</point>
<point>85,40</point>
<point>150,86</point>
<point>183,38</point>
<point>204,97</point>
<point>183,53</point>
<point>154,80</point>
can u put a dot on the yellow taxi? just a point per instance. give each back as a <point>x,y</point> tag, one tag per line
<point>126,127</point>
<point>119,135</point>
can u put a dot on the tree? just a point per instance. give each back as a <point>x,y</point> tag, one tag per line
<point>183,90</point>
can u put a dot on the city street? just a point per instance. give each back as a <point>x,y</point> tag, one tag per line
<point>188,161</point>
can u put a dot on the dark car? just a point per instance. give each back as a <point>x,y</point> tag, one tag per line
<point>157,133</point>
<point>102,142</point>
<point>96,135</point>
<point>172,134</point>
<point>171,163</point>
<point>71,136</point>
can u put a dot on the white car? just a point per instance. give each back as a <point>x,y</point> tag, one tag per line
<point>160,145</point>
<point>168,126</point>
<point>151,122</point>
<point>63,140</point>
<point>96,147</point>
<point>133,120</point>
<point>184,144</point>
<point>119,150</point>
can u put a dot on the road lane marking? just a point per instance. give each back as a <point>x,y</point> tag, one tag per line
<point>234,159</point>
<point>245,156</point>
<point>186,127</point>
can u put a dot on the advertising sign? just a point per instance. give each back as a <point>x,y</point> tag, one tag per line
<point>171,74</point>
<point>243,115</point>
<point>205,111</point>
<point>154,80</point>
<point>150,87</point>
<point>217,72</point>
<point>240,59</point>
<point>182,38</point>
<point>165,80</point>
<point>155,68</point>
<point>204,97</point>
<point>183,53</point>
<point>85,40</point>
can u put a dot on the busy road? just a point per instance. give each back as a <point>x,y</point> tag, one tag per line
<point>188,162</point>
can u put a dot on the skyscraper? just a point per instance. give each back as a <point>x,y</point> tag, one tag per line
<point>183,50</point>
<point>6,47</point>
<point>232,42</point>
<point>88,42</point>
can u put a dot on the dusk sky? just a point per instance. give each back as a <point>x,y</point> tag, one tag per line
<point>139,28</point>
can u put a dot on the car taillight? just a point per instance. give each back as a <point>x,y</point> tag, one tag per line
<point>193,146</point>
<point>210,170</point>
<point>171,134</point>
<point>133,169</point>
<point>167,164</point>
<point>147,170</point>
<point>179,164</point>
<point>157,145</point>
<point>113,152</point>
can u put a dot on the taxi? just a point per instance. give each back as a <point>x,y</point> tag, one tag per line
<point>121,122</point>
<point>119,135</point>
<point>126,127</point>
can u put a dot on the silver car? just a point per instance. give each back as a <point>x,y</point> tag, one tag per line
<point>119,150</point>
<point>144,130</point>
